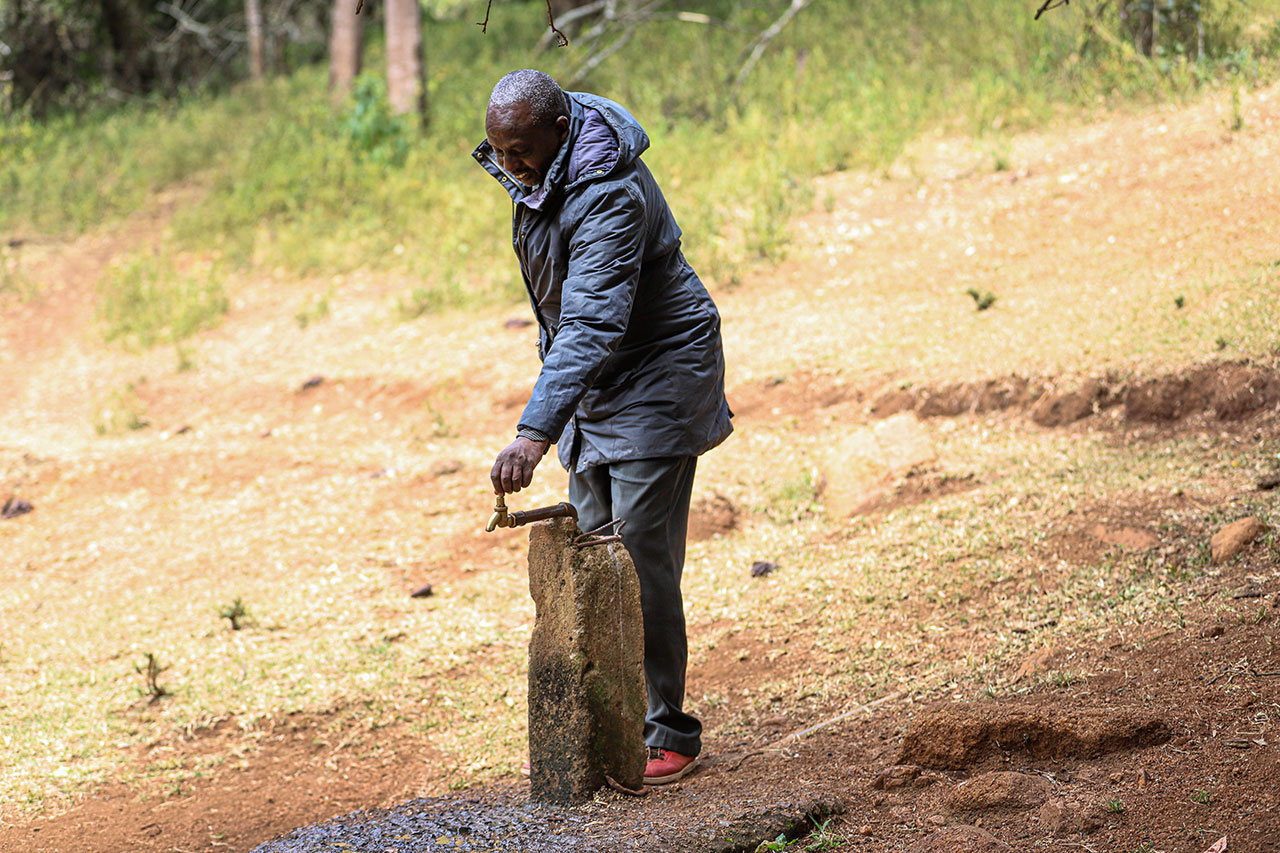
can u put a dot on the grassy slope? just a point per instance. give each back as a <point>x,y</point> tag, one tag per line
<point>846,86</point>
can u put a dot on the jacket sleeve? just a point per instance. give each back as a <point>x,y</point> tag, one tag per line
<point>606,250</point>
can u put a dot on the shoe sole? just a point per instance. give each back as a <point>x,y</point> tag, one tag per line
<point>672,777</point>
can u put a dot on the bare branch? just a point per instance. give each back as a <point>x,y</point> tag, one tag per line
<point>1050,4</point>
<point>206,34</point>
<point>569,18</point>
<point>551,22</point>
<point>624,23</point>
<point>483,25</point>
<point>762,41</point>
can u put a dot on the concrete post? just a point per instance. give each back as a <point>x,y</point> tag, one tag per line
<point>586,666</point>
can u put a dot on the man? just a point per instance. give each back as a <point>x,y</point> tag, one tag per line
<point>632,382</point>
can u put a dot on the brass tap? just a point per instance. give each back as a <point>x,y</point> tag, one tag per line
<point>500,516</point>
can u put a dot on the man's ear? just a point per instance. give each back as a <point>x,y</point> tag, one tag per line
<point>562,128</point>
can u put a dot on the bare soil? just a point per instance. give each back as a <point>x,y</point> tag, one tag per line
<point>1163,740</point>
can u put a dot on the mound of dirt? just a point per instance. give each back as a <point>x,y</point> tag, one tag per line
<point>1229,391</point>
<point>710,516</point>
<point>953,736</point>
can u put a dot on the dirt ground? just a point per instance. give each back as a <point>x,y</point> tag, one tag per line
<point>1157,740</point>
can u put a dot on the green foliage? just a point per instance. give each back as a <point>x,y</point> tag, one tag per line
<point>150,670</point>
<point>149,299</point>
<point>982,300</point>
<point>820,839</point>
<point>373,132</point>
<point>12,278</point>
<point>315,309</point>
<point>121,412</point>
<point>1237,111</point>
<point>793,498</point>
<point>421,301</point>
<point>1115,806</point>
<point>235,613</point>
<point>1202,797</point>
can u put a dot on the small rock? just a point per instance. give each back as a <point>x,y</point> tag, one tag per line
<point>1270,481</point>
<point>1211,631</point>
<point>1059,818</point>
<point>421,592</point>
<point>897,776</point>
<point>15,507</point>
<point>1116,778</point>
<point>923,781</point>
<point>1038,662</point>
<point>1235,537</point>
<point>314,382</point>
<point>960,839</point>
<point>999,791</point>
<point>1252,589</point>
<point>938,820</point>
<point>446,467</point>
<point>760,568</point>
<point>865,829</point>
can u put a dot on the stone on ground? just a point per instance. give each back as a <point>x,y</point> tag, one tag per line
<point>953,736</point>
<point>586,679</point>
<point>1002,791</point>
<point>897,776</point>
<point>1062,818</point>
<point>1235,537</point>
<point>1039,662</point>
<point>960,839</point>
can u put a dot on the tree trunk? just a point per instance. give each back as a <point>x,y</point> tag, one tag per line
<point>406,89</point>
<point>257,49</point>
<point>345,47</point>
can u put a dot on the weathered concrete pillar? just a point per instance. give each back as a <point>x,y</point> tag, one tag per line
<point>586,666</point>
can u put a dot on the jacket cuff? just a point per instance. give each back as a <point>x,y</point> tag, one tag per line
<point>533,434</point>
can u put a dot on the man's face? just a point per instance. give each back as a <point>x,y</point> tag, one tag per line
<point>523,147</point>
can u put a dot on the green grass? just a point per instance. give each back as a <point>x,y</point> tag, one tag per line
<point>285,181</point>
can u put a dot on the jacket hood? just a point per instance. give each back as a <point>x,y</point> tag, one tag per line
<point>603,137</point>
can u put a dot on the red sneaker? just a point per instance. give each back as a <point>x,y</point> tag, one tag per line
<point>665,766</point>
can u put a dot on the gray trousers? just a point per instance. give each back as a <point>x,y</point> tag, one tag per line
<point>652,496</point>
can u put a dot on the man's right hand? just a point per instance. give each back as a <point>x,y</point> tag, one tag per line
<point>513,469</point>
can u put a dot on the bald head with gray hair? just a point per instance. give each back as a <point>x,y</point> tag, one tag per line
<point>543,95</point>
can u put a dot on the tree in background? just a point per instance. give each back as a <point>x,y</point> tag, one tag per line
<point>69,54</point>
<point>346,47</point>
<point>253,28</point>
<point>406,78</point>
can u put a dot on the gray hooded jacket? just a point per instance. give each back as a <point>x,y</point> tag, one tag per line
<point>632,364</point>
